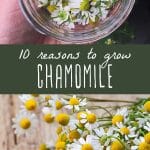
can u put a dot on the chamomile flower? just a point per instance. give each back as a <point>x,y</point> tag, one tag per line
<point>88,16</point>
<point>75,104</point>
<point>140,144</point>
<point>60,145</point>
<point>147,106</point>
<point>122,111</point>
<point>63,119</point>
<point>104,135</point>
<point>127,132</point>
<point>46,146</point>
<point>73,123</point>
<point>60,15</point>
<point>48,114</point>
<point>74,135</point>
<point>72,127</point>
<point>147,138</point>
<point>24,123</point>
<point>57,103</point>
<point>43,146</point>
<point>30,102</point>
<point>120,116</point>
<point>144,109</point>
<point>88,119</point>
<point>90,143</point>
<point>116,145</point>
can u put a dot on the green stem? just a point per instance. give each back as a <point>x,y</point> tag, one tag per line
<point>105,125</point>
<point>111,101</point>
<point>100,107</point>
<point>104,120</point>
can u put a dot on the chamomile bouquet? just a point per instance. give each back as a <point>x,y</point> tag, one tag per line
<point>82,126</point>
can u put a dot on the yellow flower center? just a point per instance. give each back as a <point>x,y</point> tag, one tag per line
<point>147,106</point>
<point>47,98</point>
<point>91,118</point>
<point>48,118</point>
<point>25,123</point>
<point>63,119</point>
<point>59,130</point>
<point>74,134</point>
<point>58,104</point>
<point>60,146</point>
<point>116,145</point>
<point>51,8</point>
<point>87,147</point>
<point>74,101</point>
<point>125,130</point>
<point>31,104</point>
<point>147,138</point>
<point>43,147</point>
<point>117,118</point>
<point>144,146</point>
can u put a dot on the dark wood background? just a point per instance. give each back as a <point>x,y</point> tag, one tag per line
<point>140,21</point>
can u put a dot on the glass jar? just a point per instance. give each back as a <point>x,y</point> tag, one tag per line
<point>39,19</point>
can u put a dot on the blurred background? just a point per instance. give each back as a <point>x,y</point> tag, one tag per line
<point>136,29</point>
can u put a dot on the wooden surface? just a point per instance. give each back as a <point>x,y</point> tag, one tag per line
<point>9,105</point>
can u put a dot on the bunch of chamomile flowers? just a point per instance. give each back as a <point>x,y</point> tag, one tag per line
<point>77,12</point>
<point>84,126</point>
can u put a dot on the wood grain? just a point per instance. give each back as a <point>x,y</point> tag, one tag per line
<point>9,106</point>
